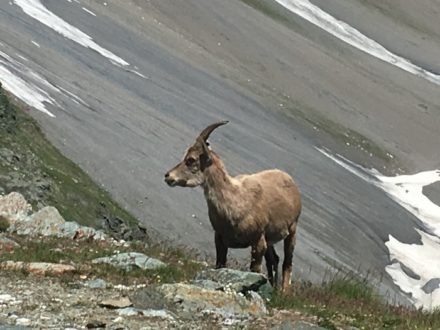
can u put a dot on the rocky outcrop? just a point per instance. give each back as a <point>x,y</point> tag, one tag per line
<point>45,222</point>
<point>238,281</point>
<point>14,207</point>
<point>189,301</point>
<point>215,297</point>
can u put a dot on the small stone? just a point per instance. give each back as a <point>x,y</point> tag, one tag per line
<point>6,298</point>
<point>23,321</point>
<point>297,325</point>
<point>96,284</point>
<point>116,303</point>
<point>236,281</point>
<point>152,313</point>
<point>95,324</point>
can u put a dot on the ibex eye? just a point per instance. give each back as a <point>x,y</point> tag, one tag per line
<point>190,161</point>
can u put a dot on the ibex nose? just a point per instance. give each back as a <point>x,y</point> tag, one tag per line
<point>169,180</point>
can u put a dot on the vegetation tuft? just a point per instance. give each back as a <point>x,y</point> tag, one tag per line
<point>349,300</point>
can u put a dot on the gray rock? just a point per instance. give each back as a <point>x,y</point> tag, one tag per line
<point>119,229</point>
<point>148,298</point>
<point>113,303</point>
<point>73,230</point>
<point>190,300</point>
<point>235,280</point>
<point>22,321</point>
<point>95,324</point>
<point>207,284</point>
<point>14,207</point>
<point>97,284</point>
<point>68,229</point>
<point>13,327</point>
<point>130,260</point>
<point>297,325</point>
<point>432,285</point>
<point>44,222</point>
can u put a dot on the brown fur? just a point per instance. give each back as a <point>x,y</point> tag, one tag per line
<point>256,210</point>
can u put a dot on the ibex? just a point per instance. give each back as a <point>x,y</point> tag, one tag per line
<point>256,210</point>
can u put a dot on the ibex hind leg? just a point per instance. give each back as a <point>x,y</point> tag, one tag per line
<point>272,261</point>
<point>289,245</point>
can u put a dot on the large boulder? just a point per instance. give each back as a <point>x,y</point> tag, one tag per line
<point>14,207</point>
<point>44,222</point>
<point>235,280</point>
<point>49,222</point>
<point>130,260</point>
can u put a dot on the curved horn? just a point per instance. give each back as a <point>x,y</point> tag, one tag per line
<point>208,130</point>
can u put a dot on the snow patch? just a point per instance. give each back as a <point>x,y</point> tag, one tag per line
<point>138,74</point>
<point>350,35</point>
<point>422,259</point>
<point>28,93</point>
<point>36,10</point>
<point>88,11</point>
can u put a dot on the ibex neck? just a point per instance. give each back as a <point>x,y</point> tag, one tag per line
<point>218,184</point>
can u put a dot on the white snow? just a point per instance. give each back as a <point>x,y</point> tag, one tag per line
<point>138,74</point>
<point>88,11</point>
<point>423,259</point>
<point>73,97</point>
<point>38,11</point>
<point>28,93</point>
<point>350,35</point>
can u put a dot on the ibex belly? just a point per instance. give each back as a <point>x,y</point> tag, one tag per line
<point>237,235</point>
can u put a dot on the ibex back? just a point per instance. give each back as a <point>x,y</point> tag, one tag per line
<point>255,210</point>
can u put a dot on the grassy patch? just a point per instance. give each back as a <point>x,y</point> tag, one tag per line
<point>180,264</point>
<point>30,165</point>
<point>347,300</point>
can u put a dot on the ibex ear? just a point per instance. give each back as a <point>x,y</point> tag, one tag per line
<point>205,156</point>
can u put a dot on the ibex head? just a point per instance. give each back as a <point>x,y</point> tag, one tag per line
<point>189,172</point>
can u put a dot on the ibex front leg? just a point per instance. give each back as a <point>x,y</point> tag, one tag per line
<point>257,253</point>
<point>221,251</point>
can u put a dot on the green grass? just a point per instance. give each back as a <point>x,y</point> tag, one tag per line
<point>351,301</point>
<point>180,264</point>
<point>44,176</point>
